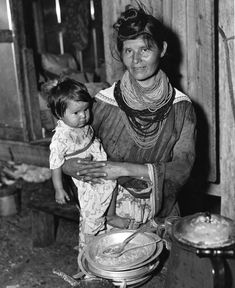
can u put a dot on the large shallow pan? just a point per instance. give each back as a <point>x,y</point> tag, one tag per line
<point>93,251</point>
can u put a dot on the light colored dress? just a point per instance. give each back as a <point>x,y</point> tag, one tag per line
<point>68,142</point>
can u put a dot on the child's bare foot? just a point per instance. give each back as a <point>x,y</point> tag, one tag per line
<point>118,222</point>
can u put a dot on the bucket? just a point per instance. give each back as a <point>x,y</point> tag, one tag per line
<point>9,200</point>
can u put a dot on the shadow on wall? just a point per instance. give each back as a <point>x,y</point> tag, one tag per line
<point>193,197</point>
<point>172,59</point>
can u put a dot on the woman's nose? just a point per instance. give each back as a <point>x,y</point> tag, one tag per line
<point>137,57</point>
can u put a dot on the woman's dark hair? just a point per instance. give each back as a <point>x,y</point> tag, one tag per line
<point>136,22</point>
<point>59,92</point>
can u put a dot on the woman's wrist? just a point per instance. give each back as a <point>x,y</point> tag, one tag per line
<point>135,170</point>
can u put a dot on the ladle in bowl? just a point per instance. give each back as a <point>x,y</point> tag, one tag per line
<point>116,255</point>
<point>118,248</point>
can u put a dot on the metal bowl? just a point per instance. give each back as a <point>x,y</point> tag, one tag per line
<point>126,261</point>
<point>129,276</point>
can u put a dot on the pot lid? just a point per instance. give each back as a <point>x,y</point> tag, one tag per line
<point>205,230</point>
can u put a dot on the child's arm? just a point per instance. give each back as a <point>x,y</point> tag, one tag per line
<point>60,194</point>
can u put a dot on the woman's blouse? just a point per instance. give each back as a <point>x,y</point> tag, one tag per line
<point>172,155</point>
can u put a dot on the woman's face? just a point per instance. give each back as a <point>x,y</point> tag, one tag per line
<point>142,61</point>
<point>77,114</point>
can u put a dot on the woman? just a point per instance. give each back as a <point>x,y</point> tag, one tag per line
<point>147,128</point>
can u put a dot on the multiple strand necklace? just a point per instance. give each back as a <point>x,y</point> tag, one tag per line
<point>144,110</point>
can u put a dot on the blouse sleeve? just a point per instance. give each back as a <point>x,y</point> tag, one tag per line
<point>173,175</point>
<point>57,154</point>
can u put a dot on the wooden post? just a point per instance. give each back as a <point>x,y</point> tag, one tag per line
<point>43,228</point>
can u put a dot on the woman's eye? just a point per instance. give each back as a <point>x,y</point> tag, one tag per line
<point>145,50</point>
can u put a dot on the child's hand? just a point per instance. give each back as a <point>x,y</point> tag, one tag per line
<point>61,196</point>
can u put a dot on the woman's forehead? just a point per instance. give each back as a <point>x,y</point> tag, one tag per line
<point>134,42</point>
<point>139,43</point>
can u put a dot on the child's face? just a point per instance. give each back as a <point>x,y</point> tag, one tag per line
<point>77,114</point>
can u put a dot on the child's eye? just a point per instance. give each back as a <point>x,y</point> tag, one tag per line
<point>127,51</point>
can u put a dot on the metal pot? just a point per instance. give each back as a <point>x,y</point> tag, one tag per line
<point>10,200</point>
<point>195,262</point>
<point>133,272</point>
<point>93,249</point>
<point>122,279</point>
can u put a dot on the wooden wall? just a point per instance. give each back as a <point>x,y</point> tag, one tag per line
<point>226,47</point>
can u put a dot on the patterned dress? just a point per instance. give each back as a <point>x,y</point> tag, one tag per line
<point>172,157</point>
<point>94,199</point>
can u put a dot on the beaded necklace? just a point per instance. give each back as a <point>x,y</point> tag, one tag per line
<point>142,114</point>
<point>157,91</point>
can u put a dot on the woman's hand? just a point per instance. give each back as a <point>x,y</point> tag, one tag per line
<point>107,170</point>
<point>93,171</point>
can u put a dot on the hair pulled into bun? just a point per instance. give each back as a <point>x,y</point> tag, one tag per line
<point>131,23</point>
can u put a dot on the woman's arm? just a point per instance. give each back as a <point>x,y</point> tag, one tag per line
<point>173,175</point>
<point>90,170</point>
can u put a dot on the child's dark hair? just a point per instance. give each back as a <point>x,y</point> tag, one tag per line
<point>59,92</point>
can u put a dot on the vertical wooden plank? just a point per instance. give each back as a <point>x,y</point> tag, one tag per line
<point>206,76</point>
<point>167,12</point>
<point>31,106</point>
<point>39,26</point>
<point>226,115</point>
<point>113,68</point>
<point>201,169</point>
<point>179,26</point>
<point>11,87</point>
<point>192,51</point>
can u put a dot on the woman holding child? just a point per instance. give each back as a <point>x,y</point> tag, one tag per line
<point>147,128</point>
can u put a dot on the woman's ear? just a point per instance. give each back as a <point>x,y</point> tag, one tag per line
<point>164,48</point>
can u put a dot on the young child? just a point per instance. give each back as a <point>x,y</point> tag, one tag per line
<point>70,103</point>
